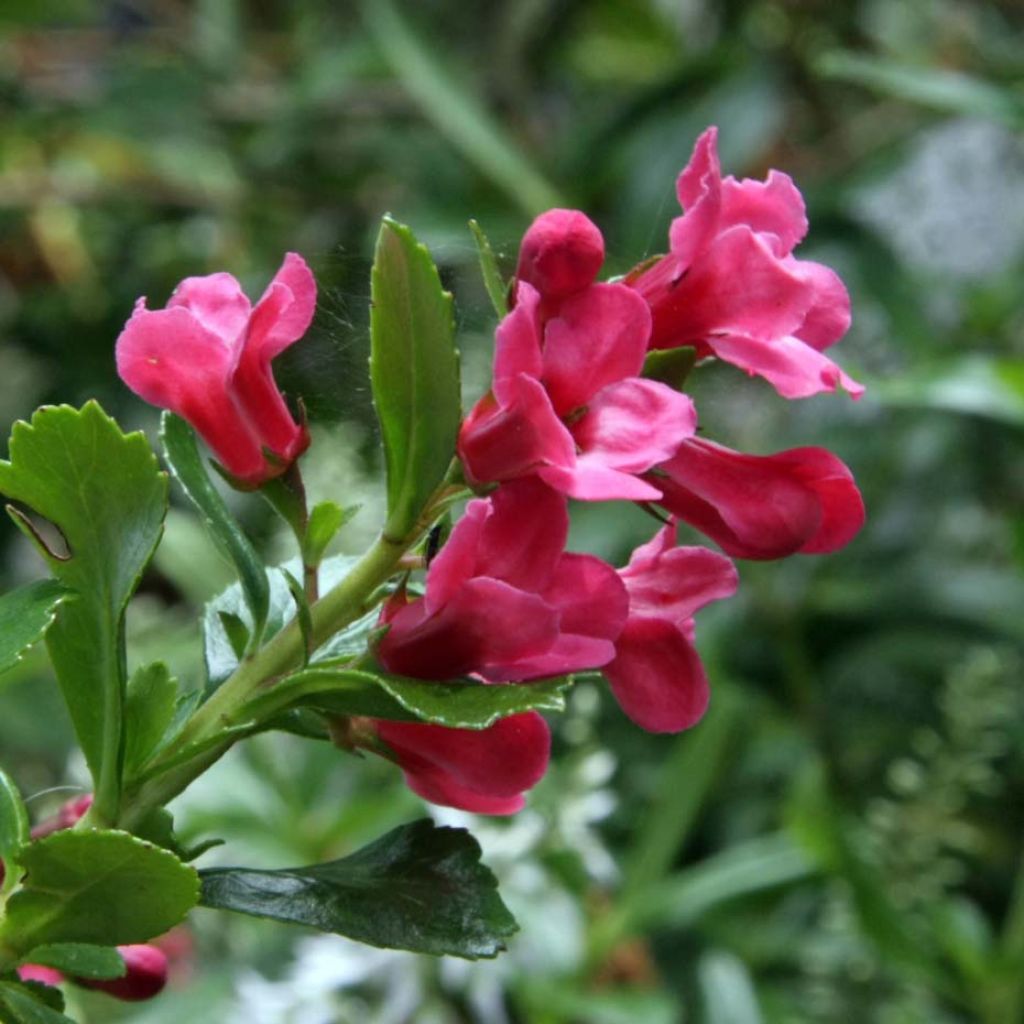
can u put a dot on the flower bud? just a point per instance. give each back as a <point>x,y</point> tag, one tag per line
<point>145,975</point>
<point>562,252</point>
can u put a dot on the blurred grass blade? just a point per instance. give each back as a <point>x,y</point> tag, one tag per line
<point>727,990</point>
<point>937,88</point>
<point>454,111</point>
<point>497,290</point>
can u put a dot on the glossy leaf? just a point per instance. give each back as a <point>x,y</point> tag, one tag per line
<point>459,704</point>
<point>102,887</point>
<point>420,887</point>
<point>25,615</point>
<point>182,454</point>
<point>79,959</point>
<point>414,371</point>
<point>148,713</point>
<point>13,830</point>
<point>104,492</point>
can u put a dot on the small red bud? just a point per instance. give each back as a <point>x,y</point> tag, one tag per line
<point>145,975</point>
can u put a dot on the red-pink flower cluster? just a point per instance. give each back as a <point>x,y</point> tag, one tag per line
<point>570,415</point>
<point>207,357</point>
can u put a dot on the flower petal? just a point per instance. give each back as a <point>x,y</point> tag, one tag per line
<point>290,320</point>
<point>599,336</point>
<point>828,319</point>
<point>457,561</point>
<point>169,359</point>
<point>699,188</point>
<point>591,480</point>
<point>773,206</point>
<point>517,341</point>
<point>561,253</point>
<point>657,676</point>
<point>502,442</point>
<point>634,424</point>
<point>218,303</point>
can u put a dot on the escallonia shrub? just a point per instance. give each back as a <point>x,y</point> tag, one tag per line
<point>439,657</point>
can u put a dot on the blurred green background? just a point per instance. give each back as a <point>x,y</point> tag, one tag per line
<point>841,839</point>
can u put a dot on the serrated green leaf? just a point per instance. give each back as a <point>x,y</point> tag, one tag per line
<point>24,1004</point>
<point>79,959</point>
<point>103,490</point>
<point>14,830</point>
<point>25,615</point>
<point>458,704</point>
<point>148,713</point>
<point>220,653</point>
<point>414,371</point>
<point>420,887</point>
<point>182,454</point>
<point>497,289</point>
<point>102,887</point>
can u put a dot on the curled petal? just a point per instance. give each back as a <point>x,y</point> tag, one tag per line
<point>561,253</point>
<point>793,368</point>
<point>633,424</point>
<point>657,676</point>
<point>771,207</point>
<point>673,583</point>
<point>591,480</point>
<point>699,188</point>
<point>502,442</point>
<point>460,766</point>
<point>599,337</point>
<point>290,319</point>
<point>763,507</point>
<point>218,303</point>
<point>828,319</point>
<point>487,621</point>
<point>517,341</point>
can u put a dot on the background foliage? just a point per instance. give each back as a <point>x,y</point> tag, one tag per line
<point>841,838</point>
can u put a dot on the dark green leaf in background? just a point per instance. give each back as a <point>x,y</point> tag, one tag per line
<point>25,614</point>
<point>414,370</point>
<point>420,887</point>
<point>25,1004</point>
<point>104,492</point>
<point>102,887</point>
<point>182,454</point>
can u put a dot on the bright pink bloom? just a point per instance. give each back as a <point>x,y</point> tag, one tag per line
<point>763,506</point>
<point>207,357</point>
<point>568,403</point>
<point>657,676</point>
<point>485,771</point>
<point>503,601</point>
<point>730,286</point>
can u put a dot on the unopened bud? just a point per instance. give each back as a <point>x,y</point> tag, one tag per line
<point>145,975</point>
<point>562,252</point>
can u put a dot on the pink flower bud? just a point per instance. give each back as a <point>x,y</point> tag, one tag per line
<point>562,252</point>
<point>145,975</point>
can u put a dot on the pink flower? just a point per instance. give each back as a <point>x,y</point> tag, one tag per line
<point>503,601</point>
<point>763,506</point>
<point>568,403</point>
<point>560,255</point>
<point>730,286</point>
<point>485,771</point>
<point>657,676</point>
<point>207,357</point>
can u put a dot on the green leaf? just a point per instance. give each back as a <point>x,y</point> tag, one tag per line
<point>414,370</point>
<point>325,521</point>
<point>79,959</point>
<point>103,490</point>
<point>452,108</point>
<point>102,887</point>
<point>20,1004</point>
<point>671,366</point>
<point>420,887</point>
<point>220,648</point>
<point>496,287</point>
<point>458,704</point>
<point>25,615</point>
<point>182,454</point>
<point>14,832</point>
<point>148,713</point>
<point>301,612</point>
